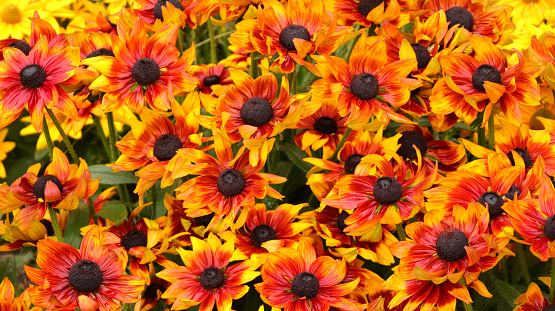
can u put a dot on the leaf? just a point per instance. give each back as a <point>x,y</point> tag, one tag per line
<point>115,211</point>
<point>508,292</point>
<point>108,177</point>
<point>8,268</point>
<point>78,218</point>
<point>478,122</point>
<point>296,155</point>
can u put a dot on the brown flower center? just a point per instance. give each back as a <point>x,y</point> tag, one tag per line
<point>158,7</point>
<point>203,220</point>
<point>305,285</point>
<point>101,52</point>
<point>211,80</point>
<point>166,146</point>
<point>152,290</point>
<point>550,307</point>
<point>523,154</point>
<point>85,276</point>
<point>422,55</point>
<point>40,185</point>
<point>512,192</point>
<point>231,182</point>
<point>352,162</point>
<point>387,190</point>
<point>365,86</point>
<point>407,140</point>
<point>32,76</point>
<point>22,46</point>
<point>212,278</point>
<point>145,71</point>
<point>261,234</point>
<point>461,16</point>
<point>485,73</point>
<point>325,125</point>
<point>366,6</point>
<point>48,226</point>
<point>257,111</point>
<point>133,239</point>
<point>494,203</point>
<point>291,32</point>
<point>341,221</point>
<point>549,227</point>
<point>536,124</point>
<point>450,244</point>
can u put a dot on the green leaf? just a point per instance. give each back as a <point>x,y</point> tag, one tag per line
<point>115,211</point>
<point>8,268</point>
<point>78,219</point>
<point>478,122</point>
<point>296,155</point>
<point>508,292</point>
<point>108,177</point>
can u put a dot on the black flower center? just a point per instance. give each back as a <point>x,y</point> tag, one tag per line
<point>387,190</point>
<point>158,7</point>
<point>365,86</point>
<point>32,76</point>
<point>536,124</point>
<point>22,46</point>
<point>212,278</point>
<point>211,80</point>
<point>494,203</point>
<point>365,6</point>
<point>305,285</point>
<point>512,192</point>
<point>145,71</point>
<point>450,244</point>
<point>152,290</point>
<point>325,125</point>
<point>133,239</point>
<point>341,221</point>
<point>85,276</point>
<point>461,16</point>
<point>293,32</point>
<point>231,182</point>
<point>523,154</point>
<point>485,73</point>
<point>550,307</point>
<point>48,225</point>
<point>166,146</point>
<point>203,220</point>
<point>257,111</point>
<point>352,162</point>
<point>422,55</point>
<point>407,140</point>
<point>262,234</point>
<point>101,52</point>
<point>40,185</point>
<point>549,227</point>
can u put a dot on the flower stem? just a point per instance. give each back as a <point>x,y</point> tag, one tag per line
<point>179,43</point>
<point>522,262</point>
<point>352,44</point>
<point>467,306</point>
<point>254,65</point>
<point>293,79</point>
<point>491,132</point>
<point>213,55</point>
<point>113,138</point>
<point>482,136</point>
<point>55,224</point>
<point>92,211</point>
<point>64,136</point>
<point>102,136</point>
<point>48,138</point>
<point>153,198</point>
<point>401,232</point>
<point>552,287</point>
<point>341,143</point>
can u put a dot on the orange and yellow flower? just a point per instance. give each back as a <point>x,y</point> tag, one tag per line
<point>532,300</point>
<point>8,301</point>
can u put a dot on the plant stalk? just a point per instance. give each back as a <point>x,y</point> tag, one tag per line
<point>102,136</point>
<point>552,287</point>
<point>341,143</point>
<point>401,232</point>
<point>55,224</point>
<point>254,65</point>
<point>213,55</point>
<point>68,144</point>
<point>522,262</point>
<point>467,306</point>
<point>491,132</point>
<point>48,138</point>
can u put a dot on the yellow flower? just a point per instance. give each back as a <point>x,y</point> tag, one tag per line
<point>5,147</point>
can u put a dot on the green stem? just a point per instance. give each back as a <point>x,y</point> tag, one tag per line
<point>341,143</point>
<point>225,34</point>
<point>467,306</point>
<point>491,132</point>
<point>179,43</point>
<point>504,270</point>
<point>68,144</point>
<point>213,55</point>
<point>92,211</point>
<point>55,224</point>
<point>482,136</point>
<point>552,288</point>
<point>153,199</point>
<point>352,44</point>
<point>401,232</point>
<point>193,40</point>
<point>371,31</point>
<point>254,65</point>
<point>113,138</point>
<point>48,138</point>
<point>522,262</point>
<point>102,136</point>
<point>293,78</point>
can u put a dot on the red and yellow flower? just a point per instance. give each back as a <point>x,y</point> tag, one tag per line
<point>367,13</point>
<point>532,300</point>
<point>8,301</point>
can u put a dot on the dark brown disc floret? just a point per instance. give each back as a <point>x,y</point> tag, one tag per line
<point>352,162</point>
<point>549,227</point>
<point>305,285</point>
<point>494,203</point>
<point>291,32</point>
<point>133,239</point>
<point>231,182</point>
<point>365,86</point>
<point>212,278</point>
<point>211,80</point>
<point>485,73</point>
<point>257,111</point>
<point>450,244</point>
<point>523,154</point>
<point>145,71</point>
<point>325,125</point>
<point>550,307</point>
<point>22,46</point>
<point>261,234</point>
<point>461,16</point>
<point>341,221</point>
<point>48,226</point>
<point>101,52</point>
<point>535,123</point>
<point>158,7</point>
<point>203,220</point>
<point>40,185</point>
<point>152,290</point>
<point>407,140</point>
<point>513,191</point>
<point>32,76</point>
<point>387,190</point>
<point>166,146</point>
<point>85,276</point>
<point>422,55</point>
<point>366,6</point>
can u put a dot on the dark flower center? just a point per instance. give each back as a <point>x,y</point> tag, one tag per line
<point>461,16</point>
<point>536,124</point>
<point>152,290</point>
<point>40,185</point>
<point>523,154</point>
<point>341,221</point>
<point>549,227</point>
<point>257,111</point>
<point>212,278</point>
<point>450,244</point>
<point>211,80</point>
<point>305,285</point>
<point>158,7</point>
<point>352,162</point>
<point>166,146</point>
<point>101,52</point>
<point>422,55</point>
<point>231,182</point>
<point>407,140</point>
<point>32,76</point>
<point>293,32</point>
<point>92,99</point>
<point>494,203</point>
<point>366,6</point>
<point>203,220</point>
<point>145,71</point>
<point>262,234</point>
<point>485,73</point>
<point>387,190</point>
<point>48,225</point>
<point>550,307</point>
<point>85,276</point>
<point>325,125</point>
<point>133,239</point>
<point>365,86</point>
<point>22,46</point>
<point>512,192</point>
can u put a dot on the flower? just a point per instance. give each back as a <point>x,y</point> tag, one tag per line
<point>9,302</point>
<point>207,278</point>
<point>296,279</point>
<point>532,300</point>
<point>5,147</point>
<point>369,12</point>
<point>89,278</point>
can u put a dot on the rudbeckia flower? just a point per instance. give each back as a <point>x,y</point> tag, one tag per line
<point>8,301</point>
<point>24,234</point>
<point>5,147</point>
<point>207,278</point>
<point>532,300</point>
<point>154,12</point>
<point>476,84</point>
<point>91,278</point>
<point>144,70</point>
<point>211,77</point>
<point>371,12</point>
<point>296,279</point>
<point>152,294</point>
